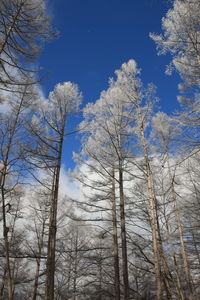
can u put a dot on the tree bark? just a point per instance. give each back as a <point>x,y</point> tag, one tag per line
<point>6,241</point>
<point>123,234</point>
<point>50,265</point>
<point>115,241</point>
<point>153,219</point>
<point>40,244</point>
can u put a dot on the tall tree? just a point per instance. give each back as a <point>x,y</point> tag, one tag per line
<point>12,155</point>
<point>141,103</point>
<point>166,131</point>
<point>116,127</point>
<point>46,153</point>
<point>106,143</point>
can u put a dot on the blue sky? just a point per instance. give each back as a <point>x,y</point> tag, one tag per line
<point>96,37</point>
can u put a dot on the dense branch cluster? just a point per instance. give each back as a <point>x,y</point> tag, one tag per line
<point>24,25</point>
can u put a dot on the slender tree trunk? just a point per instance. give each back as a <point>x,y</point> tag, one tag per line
<point>50,265</point>
<point>153,219</point>
<point>115,241</point>
<point>123,234</point>
<point>69,272</point>
<point>37,273</point>
<point>3,175</point>
<point>166,270</point>
<point>8,272</point>
<point>75,270</point>
<point>155,236</point>
<point>6,239</point>
<point>176,282</point>
<point>186,267</point>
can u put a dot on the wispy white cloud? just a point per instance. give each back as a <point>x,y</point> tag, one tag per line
<point>69,187</point>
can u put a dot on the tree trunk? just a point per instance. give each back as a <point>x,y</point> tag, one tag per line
<point>75,269</point>
<point>115,241</point>
<point>155,235</point>
<point>186,268</point>
<point>153,219</point>
<point>177,282</point>
<point>123,234</point>
<point>50,265</point>
<point>40,244</point>
<point>3,175</point>
<point>6,239</point>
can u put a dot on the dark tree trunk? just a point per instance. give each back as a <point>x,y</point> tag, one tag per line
<point>123,235</point>
<point>115,241</point>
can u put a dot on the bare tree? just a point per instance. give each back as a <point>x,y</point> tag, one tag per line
<point>12,161</point>
<point>106,144</point>
<point>114,125</point>
<point>46,153</point>
<point>166,131</point>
